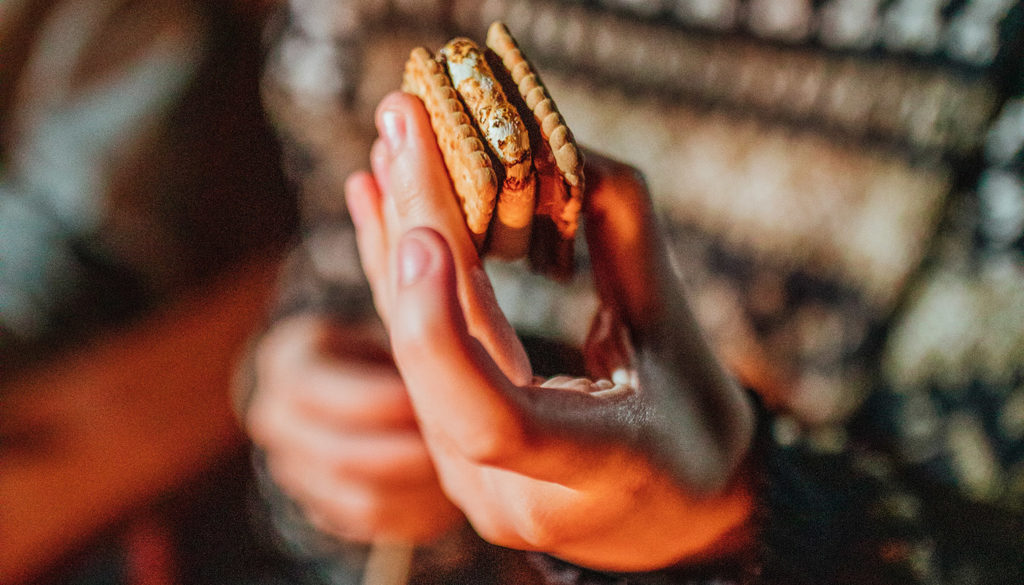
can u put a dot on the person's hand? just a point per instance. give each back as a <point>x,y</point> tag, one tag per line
<point>333,417</point>
<point>615,477</point>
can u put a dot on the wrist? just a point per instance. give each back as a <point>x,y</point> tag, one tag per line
<point>718,528</point>
<point>730,558</point>
<point>669,528</point>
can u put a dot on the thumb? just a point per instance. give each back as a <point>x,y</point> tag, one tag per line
<point>457,389</point>
<point>465,403</point>
<point>631,268</point>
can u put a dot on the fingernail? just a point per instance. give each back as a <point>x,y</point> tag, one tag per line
<point>413,260</point>
<point>392,129</point>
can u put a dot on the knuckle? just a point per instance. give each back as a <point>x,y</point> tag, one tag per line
<point>412,332</point>
<point>636,181</point>
<point>290,484</point>
<point>530,527</point>
<point>271,421</point>
<point>494,446</point>
<point>629,190</point>
<point>414,200</point>
<point>496,533</point>
<point>486,449</point>
<point>260,422</point>
<point>625,175</point>
<point>536,528</point>
<point>369,513</point>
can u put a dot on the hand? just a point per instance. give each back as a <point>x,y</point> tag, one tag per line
<point>608,476</point>
<point>334,419</point>
<point>643,303</point>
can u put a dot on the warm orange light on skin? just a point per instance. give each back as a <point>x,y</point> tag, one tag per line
<point>600,480</point>
<point>430,200</point>
<point>718,527</point>
<point>636,279</point>
<point>615,208</point>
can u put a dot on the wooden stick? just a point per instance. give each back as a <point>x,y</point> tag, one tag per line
<point>388,563</point>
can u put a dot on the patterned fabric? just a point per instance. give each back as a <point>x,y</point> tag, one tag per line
<point>842,184</point>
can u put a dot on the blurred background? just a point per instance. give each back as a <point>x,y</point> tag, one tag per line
<point>840,179</point>
<point>142,213</point>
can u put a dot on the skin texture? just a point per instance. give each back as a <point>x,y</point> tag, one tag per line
<point>625,477</point>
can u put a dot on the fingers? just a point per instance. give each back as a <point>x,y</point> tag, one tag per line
<point>336,377</point>
<point>460,394</point>
<point>397,458</point>
<point>372,398</point>
<point>340,436</point>
<point>303,386</point>
<point>418,193</point>
<point>467,408</point>
<point>630,263</point>
<point>413,175</point>
<point>366,511</point>
<point>676,368</point>
<point>364,201</point>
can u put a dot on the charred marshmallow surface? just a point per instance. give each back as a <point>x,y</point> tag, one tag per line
<point>499,122</point>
